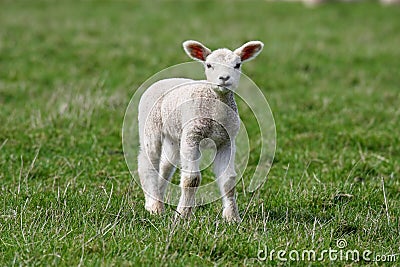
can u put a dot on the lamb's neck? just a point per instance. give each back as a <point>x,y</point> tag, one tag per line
<point>227,98</point>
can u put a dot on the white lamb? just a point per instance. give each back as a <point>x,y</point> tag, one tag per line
<point>176,114</point>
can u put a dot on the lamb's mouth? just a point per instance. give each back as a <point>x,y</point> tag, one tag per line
<point>226,85</point>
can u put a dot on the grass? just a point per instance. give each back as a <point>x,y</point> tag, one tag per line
<point>67,72</point>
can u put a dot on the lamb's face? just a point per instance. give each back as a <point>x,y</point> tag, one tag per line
<point>222,67</point>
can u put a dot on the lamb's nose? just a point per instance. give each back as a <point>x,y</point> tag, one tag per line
<point>224,78</point>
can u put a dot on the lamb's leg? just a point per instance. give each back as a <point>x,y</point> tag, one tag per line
<point>224,169</point>
<point>169,159</point>
<point>190,176</point>
<point>148,164</point>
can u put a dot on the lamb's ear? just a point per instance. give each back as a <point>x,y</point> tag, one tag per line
<point>249,50</point>
<point>196,50</point>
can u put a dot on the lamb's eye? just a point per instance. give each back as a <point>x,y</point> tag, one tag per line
<point>208,65</point>
<point>237,66</point>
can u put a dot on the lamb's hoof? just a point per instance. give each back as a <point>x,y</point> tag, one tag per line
<point>231,215</point>
<point>155,207</point>
<point>183,213</point>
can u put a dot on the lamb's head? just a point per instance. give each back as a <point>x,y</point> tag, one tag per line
<point>223,66</point>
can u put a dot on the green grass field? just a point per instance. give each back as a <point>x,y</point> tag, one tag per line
<point>68,69</point>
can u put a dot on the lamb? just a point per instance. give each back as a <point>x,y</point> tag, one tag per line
<point>176,114</point>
